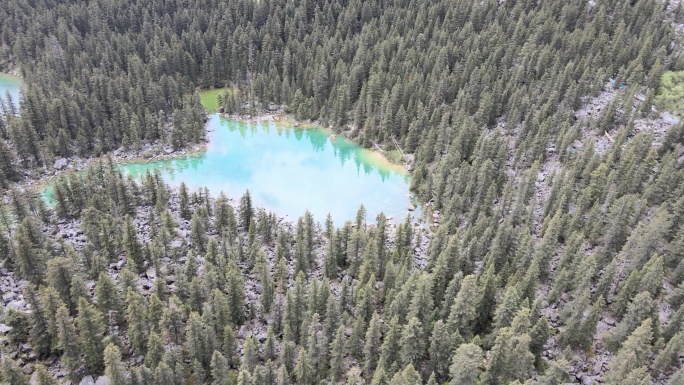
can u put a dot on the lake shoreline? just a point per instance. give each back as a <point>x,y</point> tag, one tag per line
<point>36,181</point>
<point>159,152</point>
<point>119,157</point>
<point>280,118</point>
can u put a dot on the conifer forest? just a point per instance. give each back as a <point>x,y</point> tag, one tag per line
<point>545,143</point>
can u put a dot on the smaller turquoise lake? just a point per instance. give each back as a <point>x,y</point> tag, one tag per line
<point>11,84</point>
<point>290,170</point>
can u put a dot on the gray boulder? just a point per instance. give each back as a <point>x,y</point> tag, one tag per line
<point>60,163</point>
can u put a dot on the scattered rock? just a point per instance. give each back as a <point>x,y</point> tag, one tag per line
<point>151,273</point>
<point>102,380</point>
<point>8,297</point>
<point>60,163</point>
<point>19,305</point>
<point>27,369</point>
<point>87,380</point>
<point>170,279</point>
<point>34,378</point>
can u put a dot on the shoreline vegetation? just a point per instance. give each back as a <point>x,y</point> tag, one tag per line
<point>209,98</point>
<point>153,152</point>
<point>160,153</point>
<point>157,152</point>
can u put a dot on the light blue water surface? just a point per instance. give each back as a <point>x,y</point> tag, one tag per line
<point>290,170</point>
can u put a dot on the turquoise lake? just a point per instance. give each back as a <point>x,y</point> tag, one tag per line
<point>287,170</point>
<point>290,170</point>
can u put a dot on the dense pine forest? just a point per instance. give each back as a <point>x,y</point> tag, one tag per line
<point>553,244</point>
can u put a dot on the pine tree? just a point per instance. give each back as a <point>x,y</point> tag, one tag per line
<point>464,310</point>
<point>408,376</point>
<point>371,348</point>
<point>67,342</point>
<point>631,357</point>
<point>154,312</point>
<point>412,342</point>
<point>244,378</point>
<point>155,350</point>
<point>337,354</point>
<point>198,233</point>
<point>270,344</point>
<point>250,354</point>
<point>511,358</point>
<point>11,373</point>
<point>199,340</point>
<point>557,373</point>
<point>380,377</point>
<point>390,348</point>
<point>220,371</point>
<point>29,251</point>
<point>43,377</point>
<point>229,346</point>
<point>235,294</point>
<point>440,350</point>
<point>141,375</point>
<point>580,322</point>
<point>39,335</point>
<point>245,211</point>
<point>108,301</point>
<point>137,327</point>
<point>669,356</point>
<point>114,369</point>
<point>134,249</point>
<point>184,201</point>
<point>304,371</point>
<point>60,271</point>
<point>91,329</point>
<point>421,305</point>
<point>288,355</point>
<point>466,362</point>
<point>640,309</point>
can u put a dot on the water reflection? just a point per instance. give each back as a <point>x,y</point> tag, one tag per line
<point>10,87</point>
<point>289,171</point>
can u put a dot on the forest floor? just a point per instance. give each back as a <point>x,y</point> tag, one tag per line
<point>71,232</point>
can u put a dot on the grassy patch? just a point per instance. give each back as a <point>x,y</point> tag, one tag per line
<point>670,96</point>
<point>209,98</point>
<point>394,156</point>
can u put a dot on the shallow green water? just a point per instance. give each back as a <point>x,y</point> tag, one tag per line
<point>13,85</point>
<point>288,171</point>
